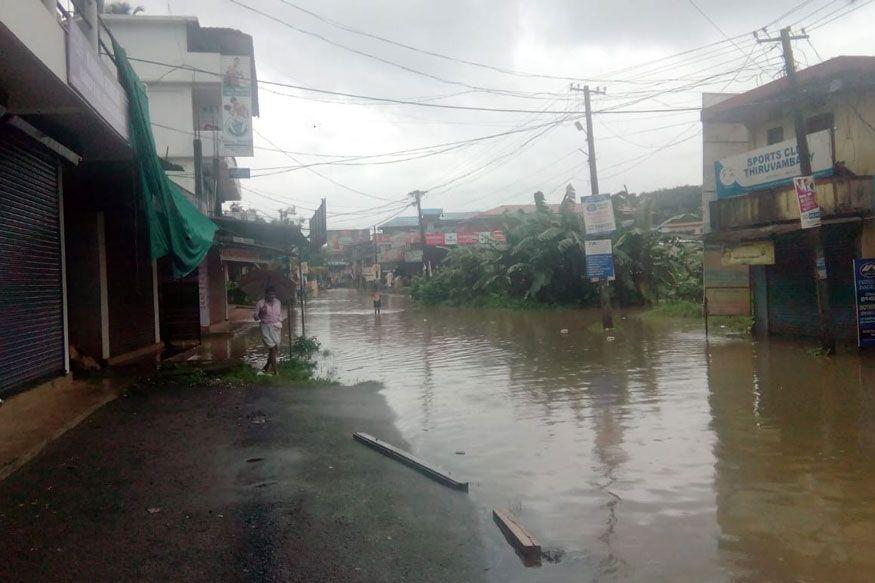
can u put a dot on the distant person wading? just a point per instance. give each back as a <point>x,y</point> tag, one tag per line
<point>378,303</point>
<point>269,312</point>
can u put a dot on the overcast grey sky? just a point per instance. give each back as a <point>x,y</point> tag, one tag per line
<point>607,43</point>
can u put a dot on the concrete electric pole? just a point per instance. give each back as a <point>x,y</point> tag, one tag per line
<point>821,277</point>
<point>417,194</point>
<point>604,289</point>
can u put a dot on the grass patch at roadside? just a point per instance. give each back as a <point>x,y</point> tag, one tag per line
<point>297,366</point>
<point>693,311</point>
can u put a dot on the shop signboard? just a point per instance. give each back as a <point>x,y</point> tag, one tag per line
<point>753,253</point>
<point>95,81</point>
<point>434,239</point>
<point>468,238</point>
<point>236,105</point>
<point>451,239</point>
<point>864,285</point>
<point>599,260</point>
<point>413,256</point>
<point>772,165</point>
<point>806,196</point>
<point>598,214</point>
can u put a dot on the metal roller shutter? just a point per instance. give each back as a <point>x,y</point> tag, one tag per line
<point>31,291</point>
<point>792,296</point>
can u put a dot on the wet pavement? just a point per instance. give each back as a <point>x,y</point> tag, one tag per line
<point>650,455</point>
<point>206,484</point>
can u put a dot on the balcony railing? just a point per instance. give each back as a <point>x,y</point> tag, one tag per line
<point>837,196</point>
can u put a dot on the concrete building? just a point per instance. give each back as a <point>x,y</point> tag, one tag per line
<point>74,263</point>
<point>184,67</point>
<point>758,259</point>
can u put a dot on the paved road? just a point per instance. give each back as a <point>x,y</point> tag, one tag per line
<point>260,484</point>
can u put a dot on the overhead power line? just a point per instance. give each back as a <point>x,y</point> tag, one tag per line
<point>420,103</point>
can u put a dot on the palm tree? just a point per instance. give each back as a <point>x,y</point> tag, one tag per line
<point>120,8</point>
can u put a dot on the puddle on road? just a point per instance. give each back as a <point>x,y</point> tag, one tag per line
<point>656,456</point>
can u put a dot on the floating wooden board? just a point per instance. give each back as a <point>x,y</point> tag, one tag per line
<point>411,460</point>
<point>516,534</point>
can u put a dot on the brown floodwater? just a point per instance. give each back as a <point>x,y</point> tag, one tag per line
<point>649,455</point>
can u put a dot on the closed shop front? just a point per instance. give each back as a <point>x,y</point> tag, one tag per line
<point>792,296</point>
<point>791,291</point>
<point>32,344</point>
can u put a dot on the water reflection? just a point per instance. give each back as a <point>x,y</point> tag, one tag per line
<point>794,478</point>
<point>649,455</point>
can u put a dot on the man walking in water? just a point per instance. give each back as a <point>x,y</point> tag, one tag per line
<point>378,302</point>
<point>269,312</point>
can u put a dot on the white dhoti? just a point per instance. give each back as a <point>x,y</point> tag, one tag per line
<point>270,335</point>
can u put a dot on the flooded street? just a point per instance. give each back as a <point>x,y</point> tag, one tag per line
<point>650,456</point>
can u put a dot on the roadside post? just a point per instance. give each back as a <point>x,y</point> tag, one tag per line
<point>600,224</point>
<point>301,293</point>
<point>291,300</point>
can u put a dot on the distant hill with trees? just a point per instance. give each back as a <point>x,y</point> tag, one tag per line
<point>671,202</point>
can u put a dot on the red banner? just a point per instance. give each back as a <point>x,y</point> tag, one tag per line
<point>434,238</point>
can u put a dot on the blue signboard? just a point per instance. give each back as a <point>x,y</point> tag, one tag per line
<point>599,260</point>
<point>864,284</point>
<point>772,166</point>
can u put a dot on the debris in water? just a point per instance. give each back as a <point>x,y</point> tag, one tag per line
<point>610,338</point>
<point>460,452</point>
<point>153,510</point>
<point>553,554</point>
<point>411,460</point>
<point>525,544</point>
<point>563,331</point>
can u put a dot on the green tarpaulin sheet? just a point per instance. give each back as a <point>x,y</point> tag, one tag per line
<point>176,227</point>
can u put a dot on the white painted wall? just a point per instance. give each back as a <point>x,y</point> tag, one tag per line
<point>39,30</point>
<point>164,39</point>
<point>719,140</point>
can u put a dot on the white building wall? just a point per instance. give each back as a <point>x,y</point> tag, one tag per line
<point>39,30</point>
<point>719,140</point>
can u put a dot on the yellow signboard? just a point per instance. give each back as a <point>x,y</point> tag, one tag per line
<point>755,253</point>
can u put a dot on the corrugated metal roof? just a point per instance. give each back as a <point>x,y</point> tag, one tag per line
<point>401,222</point>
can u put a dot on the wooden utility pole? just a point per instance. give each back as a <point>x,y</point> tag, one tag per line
<point>417,194</point>
<point>821,277</point>
<point>604,288</point>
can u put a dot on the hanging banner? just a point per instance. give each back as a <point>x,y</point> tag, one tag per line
<point>236,105</point>
<point>806,196</point>
<point>598,214</point>
<point>772,165</point>
<point>599,260</point>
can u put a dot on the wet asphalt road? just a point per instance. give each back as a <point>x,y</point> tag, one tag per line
<point>206,484</point>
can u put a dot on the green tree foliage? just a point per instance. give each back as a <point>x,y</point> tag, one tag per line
<point>543,262</point>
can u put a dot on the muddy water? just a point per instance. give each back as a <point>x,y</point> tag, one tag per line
<point>649,456</point>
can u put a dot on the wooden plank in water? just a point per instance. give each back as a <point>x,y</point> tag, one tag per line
<point>516,534</point>
<point>410,460</point>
